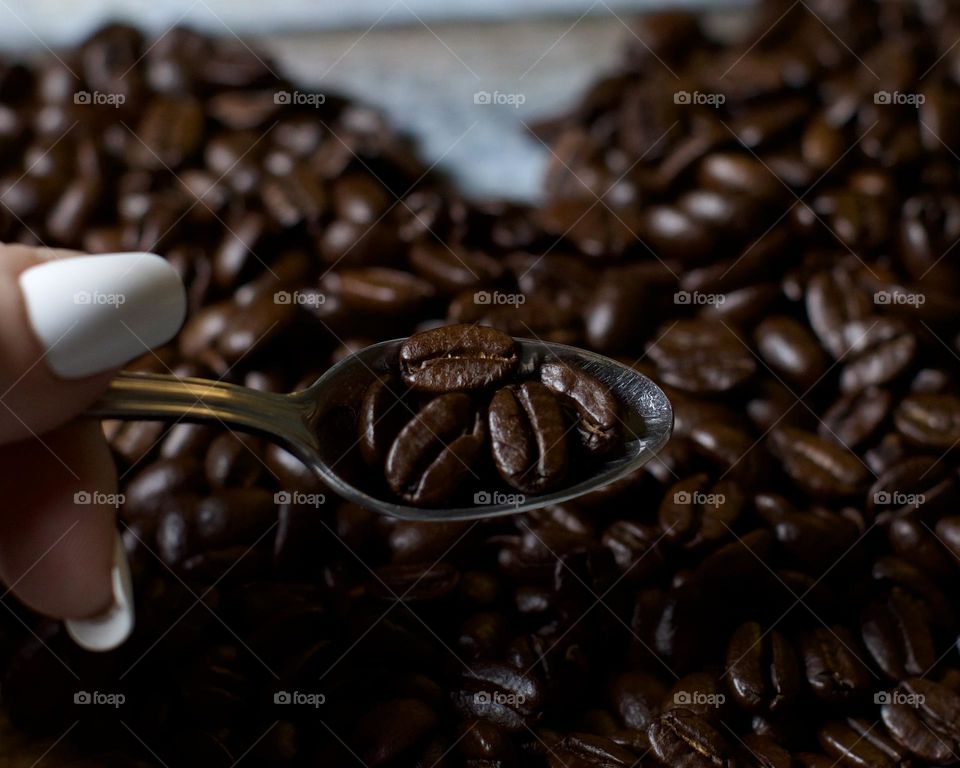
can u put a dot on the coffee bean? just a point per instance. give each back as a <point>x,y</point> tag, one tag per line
<point>391,729</point>
<point>929,420</point>
<point>528,437</point>
<point>819,467</point>
<point>696,514</point>
<point>582,750</point>
<point>897,634</point>
<point>924,718</point>
<point>855,419</point>
<point>763,672</point>
<point>699,357</point>
<point>834,669</point>
<point>790,349</point>
<point>457,358</point>
<point>679,737</point>
<point>499,694</point>
<point>381,417</point>
<point>597,410</point>
<point>433,454</point>
<point>856,743</point>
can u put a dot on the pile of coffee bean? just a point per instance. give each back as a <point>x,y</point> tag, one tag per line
<point>765,226</point>
<point>473,405</point>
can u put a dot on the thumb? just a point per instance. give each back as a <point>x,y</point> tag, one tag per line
<point>67,320</point>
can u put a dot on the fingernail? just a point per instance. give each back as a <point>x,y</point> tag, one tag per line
<point>93,313</point>
<point>108,630</point>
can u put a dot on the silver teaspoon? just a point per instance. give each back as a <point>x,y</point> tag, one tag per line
<point>319,424</point>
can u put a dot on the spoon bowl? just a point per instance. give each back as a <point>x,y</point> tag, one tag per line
<point>319,424</point>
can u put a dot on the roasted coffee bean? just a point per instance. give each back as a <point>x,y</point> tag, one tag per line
<point>695,514</point>
<point>763,672</point>
<point>897,634</point>
<point>635,549</point>
<point>451,270</point>
<point>390,730</point>
<point>597,411</point>
<point>701,357</point>
<point>855,419</point>
<point>681,738</point>
<point>499,694</point>
<point>234,460</point>
<point>699,693</point>
<point>435,452</point>
<point>584,750</point>
<point>834,669</point>
<point>931,421</point>
<point>169,133</point>
<point>819,467</point>
<point>528,437</point>
<point>813,540</point>
<point>379,289</point>
<point>457,358</point>
<point>887,351</point>
<point>381,417</point>
<point>923,717</point>
<point>637,697</point>
<point>857,743</point>
<point>790,349</point>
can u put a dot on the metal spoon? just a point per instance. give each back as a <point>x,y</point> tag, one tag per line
<point>318,424</point>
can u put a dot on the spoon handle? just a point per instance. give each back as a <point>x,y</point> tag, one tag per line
<point>157,396</point>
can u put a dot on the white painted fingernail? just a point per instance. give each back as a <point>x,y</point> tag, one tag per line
<point>93,313</point>
<point>108,630</point>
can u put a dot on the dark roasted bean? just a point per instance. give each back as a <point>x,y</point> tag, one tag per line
<point>923,717</point>
<point>855,743</point>
<point>834,669</point>
<point>528,437</point>
<point>701,357</point>
<point>597,410</point>
<point>457,358</point>
<point>819,467</point>
<point>762,669</point>
<point>433,454</point>
<point>680,738</point>
<point>897,634</point>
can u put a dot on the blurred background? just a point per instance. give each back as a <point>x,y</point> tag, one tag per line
<point>428,64</point>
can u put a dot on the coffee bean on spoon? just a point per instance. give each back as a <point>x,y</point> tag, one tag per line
<point>434,453</point>
<point>528,437</point>
<point>598,413</point>
<point>457,358</point>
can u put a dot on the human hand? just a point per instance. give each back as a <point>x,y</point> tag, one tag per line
<point>67,321</point>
